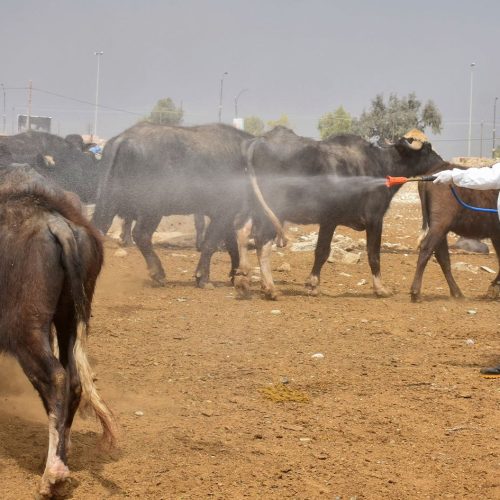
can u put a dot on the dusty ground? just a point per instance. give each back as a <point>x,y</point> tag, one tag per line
<point>395,409</point>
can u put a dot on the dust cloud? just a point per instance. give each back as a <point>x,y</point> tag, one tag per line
<point>12,379</point>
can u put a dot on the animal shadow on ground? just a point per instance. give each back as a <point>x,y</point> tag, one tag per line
<point>346,295</point>
<point>446,297</point>
<point>25,441</point>
<point>190,283</point>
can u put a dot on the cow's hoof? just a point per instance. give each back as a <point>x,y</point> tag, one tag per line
<point>126,243</point>
<point>159,281</point>
<point>201,282</point>
<point>63,488</point>
<point>458,296</point>
<point>206,285</point>
<point>55,481</point>
<point>383,293</point>
<point>493,292</point>
<point>242,286</point>
<point>416,298</point>
<point>270,294</point>
<point>232,274</point>
<point>313,291</point>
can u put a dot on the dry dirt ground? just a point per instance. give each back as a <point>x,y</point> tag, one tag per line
<point>231,404</point>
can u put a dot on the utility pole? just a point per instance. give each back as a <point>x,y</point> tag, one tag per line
<point>236,102</point>
<point>220,97</point>
<point>30,95</point>
<point>4,116</point>
<point>470,108</point>
<point>98,53</point>
<point>481,142</point>
<point>494,126</point>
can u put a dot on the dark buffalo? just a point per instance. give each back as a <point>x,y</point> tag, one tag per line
<point>442,214</point>
<point>156,170</point>
<point>57,159</point>
<point>50,258</point>
<point>5,155</point>
<point>339,181</point>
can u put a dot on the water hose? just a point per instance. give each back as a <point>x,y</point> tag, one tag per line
<point>470,207</point>
<point>397,181</point>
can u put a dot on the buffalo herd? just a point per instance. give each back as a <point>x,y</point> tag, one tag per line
<point>51,255</point>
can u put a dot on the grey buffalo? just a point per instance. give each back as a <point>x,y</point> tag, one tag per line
<point>157,170</point>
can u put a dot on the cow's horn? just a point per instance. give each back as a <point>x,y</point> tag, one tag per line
<point>49,161</point>
<point>415,139</point>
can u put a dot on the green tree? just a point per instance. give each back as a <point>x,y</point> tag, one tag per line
<point>254,125</point>
<point>283,120</point>
<point>336,122</point>
<point>393,119</point>
<point>166,113</point>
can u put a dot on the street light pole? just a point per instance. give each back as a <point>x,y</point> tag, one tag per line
<point>470,108</point>
<point>220,98</point>
<point>4,116</point>
<point>236,102</point>
<point>494,126</point>
<point>98,54</point>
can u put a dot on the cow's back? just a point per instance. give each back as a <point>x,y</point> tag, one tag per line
<point>174,169</point>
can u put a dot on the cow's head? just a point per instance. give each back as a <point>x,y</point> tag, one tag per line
<point>415,151</point>
<point>414,140</point>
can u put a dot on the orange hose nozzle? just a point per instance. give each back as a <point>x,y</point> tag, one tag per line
<point>395,181</point>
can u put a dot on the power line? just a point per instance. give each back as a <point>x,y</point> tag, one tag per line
<point>81,101</point>
<point>74,99</point>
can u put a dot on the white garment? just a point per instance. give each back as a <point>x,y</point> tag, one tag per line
<point>481,178</point>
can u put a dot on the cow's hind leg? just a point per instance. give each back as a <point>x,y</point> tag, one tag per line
<point>214,235</point>
<point>49,378</point>
<point>373,242</point>
<point>264,250</point>
<point>443,257</point>
<point>427,246</point>
<point>199,225</point>
<point>321,254</point>
<point>66,327</point>
<point>126,232</point>
<point>143,237</point>
<point>494,289</point>
<point>232,249</point>
<point>241,280</point>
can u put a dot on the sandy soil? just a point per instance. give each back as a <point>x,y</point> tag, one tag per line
<point>234,405</point>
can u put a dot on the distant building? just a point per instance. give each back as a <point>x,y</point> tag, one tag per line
<point>239,123</point>
<point>38,123</point>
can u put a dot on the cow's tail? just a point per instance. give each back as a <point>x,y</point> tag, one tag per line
<point>422,193</point>
<point>106,205</point>
<point>258,193</point>
<point>73,269</point>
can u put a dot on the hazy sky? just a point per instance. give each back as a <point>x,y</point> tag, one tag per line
<point>298,57</point>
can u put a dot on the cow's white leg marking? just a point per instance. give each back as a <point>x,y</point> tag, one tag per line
<point>312,285</point>
<point>241,280</point>
<point>264,256</point>
<point>378,287</point>
<point>55,469</point>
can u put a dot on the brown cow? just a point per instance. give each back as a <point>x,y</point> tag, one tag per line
<point>50,258</point>
<point>442,213</point>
